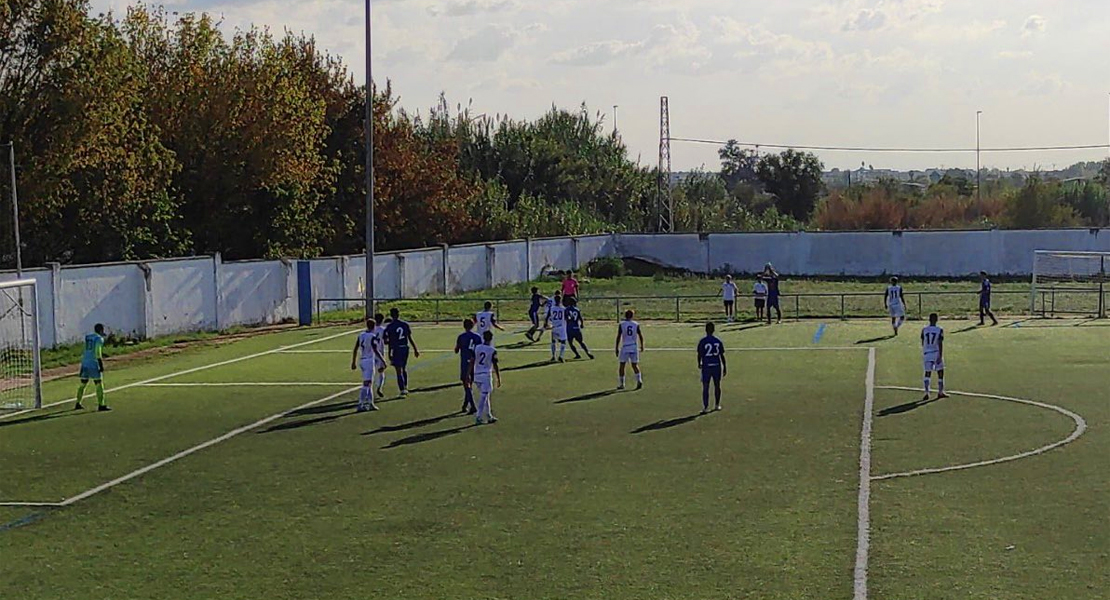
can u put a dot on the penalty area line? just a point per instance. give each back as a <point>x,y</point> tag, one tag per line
<point>250,384</point>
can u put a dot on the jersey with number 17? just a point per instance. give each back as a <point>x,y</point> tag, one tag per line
<point>931,338</point>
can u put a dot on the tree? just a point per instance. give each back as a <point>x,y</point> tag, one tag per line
<point>1036,206</point>
<point>794,179</point>
<point>738,165</point>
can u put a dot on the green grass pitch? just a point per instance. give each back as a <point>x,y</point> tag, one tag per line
<point>578,491</point>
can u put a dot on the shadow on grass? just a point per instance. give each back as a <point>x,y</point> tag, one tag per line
<point>587,397</point>
<point>413,424</point>
<point>519,345</point>
<point>323,409</point>
<point>905,408</point>
<point>437,388</point>
<point>420,438</point>
<point>744,327</point>
<point>535,365</point>
<point>878,339</point>
<point>47,417</point>
<point>968,328</point>
<point>667,424</point>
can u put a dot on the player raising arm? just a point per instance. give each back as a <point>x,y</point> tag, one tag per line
<point>932,350</point>
<point>537,301</point>
<point>895,302</point>
<point>487,320</point>
<point>485,363</point>
<point>92,367</point>
<point>711,361</point>
<point>398,335</point>
<point>630,343</point>
<point>367,345</point>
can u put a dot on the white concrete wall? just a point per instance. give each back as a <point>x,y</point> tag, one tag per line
<point>256,292</point>
<point>114,295</point>
<point>510,262</point>
<point>467,268</point>
<point>423,273</point>
<point>552,255</point>
<point>182,296</point>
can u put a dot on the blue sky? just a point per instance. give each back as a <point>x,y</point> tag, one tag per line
<point>826,72</point>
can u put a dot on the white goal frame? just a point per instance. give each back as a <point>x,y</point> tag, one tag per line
<point>1097,284</point>
<point>28,292</point>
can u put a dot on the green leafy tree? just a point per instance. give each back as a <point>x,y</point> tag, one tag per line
<point>1037,206</point>
<point>738,165</point>
<point>794,179</point>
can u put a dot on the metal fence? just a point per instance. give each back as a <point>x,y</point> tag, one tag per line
<point>1048,302</point>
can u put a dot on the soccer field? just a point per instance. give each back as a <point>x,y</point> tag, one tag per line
<point>242,471</point>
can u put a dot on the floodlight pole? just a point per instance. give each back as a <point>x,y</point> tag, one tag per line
<point>978,168</point>
<point>369,126</point>
<point>15,215</point>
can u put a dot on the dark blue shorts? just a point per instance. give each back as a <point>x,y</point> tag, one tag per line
<point>534,315</point>
<point>575,336</point>
<point>464,370</point>
<point>984,303</point>
<point>399,357</point>
<point>711,374</point>
<point>773,301</point>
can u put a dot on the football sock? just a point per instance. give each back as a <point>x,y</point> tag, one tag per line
<point>705,395</point>
<point>381,381</point>
<point>483,406</point>
<point>940,385</point>
<point>553,346</point>
<point>717,394</point>
<point>639,377</point>
<point>468,402</point>
<point>81,391</point>
<point>99,393</point>
<point>927,385</point>
<point>621,380</point>
<point>562,350</point>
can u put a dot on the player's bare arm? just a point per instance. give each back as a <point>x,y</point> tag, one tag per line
<point>640,334</point>
<point>724,365</point>
<point>415,350</point>
<point>354,356</point>
<point>496,370</point>
<point>617,344</point>
<point>495,324</point>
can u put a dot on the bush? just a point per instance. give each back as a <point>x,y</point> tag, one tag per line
<point>606,268</point>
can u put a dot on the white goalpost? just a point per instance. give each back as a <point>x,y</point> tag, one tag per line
<point>1069,283</point>
<point>20,365</point>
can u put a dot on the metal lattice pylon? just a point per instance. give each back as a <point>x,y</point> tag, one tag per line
<point>664,199</point>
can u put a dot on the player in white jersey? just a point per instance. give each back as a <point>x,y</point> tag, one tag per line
<point>728,292</point>
<point>382,365</point>
<point>932,351</point>
<point>557,320</point>
<point>367,356</point>
<point>630,342</point>
<point>486,320</point>
<point>485,373</point>
<point>895,301</point>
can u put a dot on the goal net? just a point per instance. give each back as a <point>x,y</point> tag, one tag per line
<point>20,369</point>
<point>1069,283</point>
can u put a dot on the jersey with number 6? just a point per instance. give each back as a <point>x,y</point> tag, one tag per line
<point>630,331</point>
<point>931,338</point>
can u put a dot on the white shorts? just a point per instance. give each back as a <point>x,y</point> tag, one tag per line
<point>897,311</point>
<point>370,366</point>
<point>559,335</point>
<point>630,354</point>
<point>933,363</point>
<point>484,382</point>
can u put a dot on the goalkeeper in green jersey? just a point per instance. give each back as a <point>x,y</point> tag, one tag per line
<point>92,367</point>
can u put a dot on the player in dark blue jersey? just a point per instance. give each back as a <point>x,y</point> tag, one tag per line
<point>398,336</point>
<point>464,347</point>
<point>711,361</point>
<point>985,299</point>
<point>574,328</point>
<point>538,300</point>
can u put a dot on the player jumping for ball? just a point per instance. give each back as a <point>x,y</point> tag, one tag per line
<point>932,350</point>
<point>630,343</point>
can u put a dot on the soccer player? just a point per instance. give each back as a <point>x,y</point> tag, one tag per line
<point>485,363</point>
<point>728,292</point>
<point>487,320</point>
<point>895,301</point>
<point>985,299</point>
<point>379,342</point>
<point>92,368</point>
<point>574,328</point>
<point>464,347</point>
<point>398,335</point>
<point>367,345</point>
<point>538,300</point>
<point>932,349</point>
<point>759,290</point>
<point>570,287</point>
<point>711,361</point>
<point>557,318</point>
<point>771,277</point>
<point>628,351</point>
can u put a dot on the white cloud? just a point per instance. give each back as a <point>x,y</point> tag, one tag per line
<point>1038,84</point>
<point>1015,54</point>
<point>465,8</point>
<point>485,45</point>
<point>1034,25</point>
<point>867,19</point>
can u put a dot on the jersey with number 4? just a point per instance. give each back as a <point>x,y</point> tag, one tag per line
<point>931,338</point>
<point>630,331</point>
<point>484,356</point>
<point>367,343</point>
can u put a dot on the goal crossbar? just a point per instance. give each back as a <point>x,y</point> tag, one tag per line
<point>1069,282</point>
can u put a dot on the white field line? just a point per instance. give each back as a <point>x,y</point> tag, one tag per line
<point>182,454</point>
<point>1080,429</point>
<point>251,384</point>
<point>649,349</point>
<point>863,506</point>
<point>192,370</point>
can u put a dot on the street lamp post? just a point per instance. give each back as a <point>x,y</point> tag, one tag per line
<point>369,141</point>
<point>615,128</point>
<point>15,214</point>
<point>978,168</point>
